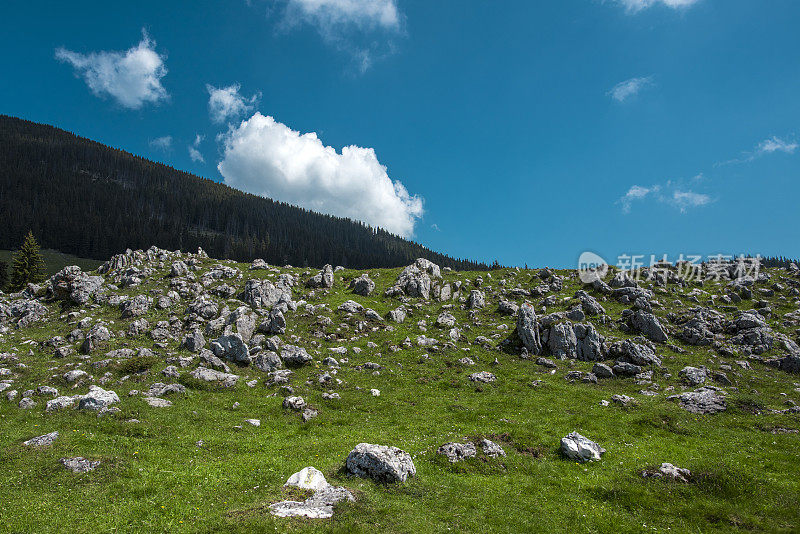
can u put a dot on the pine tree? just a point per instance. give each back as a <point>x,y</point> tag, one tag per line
<point>3,274</point>
<point>28,264</point>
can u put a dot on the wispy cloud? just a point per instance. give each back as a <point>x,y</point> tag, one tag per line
<point>636,192</point>
<point>688,199</point>
<point>162,143</point>
<point>361,28</point>
<point>226,103</point>
<point>635,6</point>
<point>132,77</point>
<point>194,151</point>
<point>764,148</point>
<point>776,144</point>
<point>669,193</point>
<point>629,88</point>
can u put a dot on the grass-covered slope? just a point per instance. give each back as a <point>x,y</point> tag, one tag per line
<point>54,261</point>
<point>198,467</point>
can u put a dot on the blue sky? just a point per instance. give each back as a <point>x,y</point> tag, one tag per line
<point>526,132</point>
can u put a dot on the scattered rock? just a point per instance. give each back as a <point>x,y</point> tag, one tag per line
<point>381,463</point>
<point>579,448</point>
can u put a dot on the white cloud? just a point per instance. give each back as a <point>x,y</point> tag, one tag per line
<point>162,143</point>
<point>629,88</point>
<point>764,148</point>
<point>688,199</point>
<point>226,103</point>
<point>265,157</point>
<point>775,144</point>
<point>132,77</point>
<point>634,6</point>
<point>636,192</point>
<point>330,16</point>
<point>194,153</point>
<point>669,193</point>
<point>361,28</point>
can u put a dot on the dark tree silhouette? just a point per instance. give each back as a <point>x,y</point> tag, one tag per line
<point>28,264</point>
<point>3,275</point>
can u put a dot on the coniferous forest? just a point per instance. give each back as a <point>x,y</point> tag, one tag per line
<point>84,198</point>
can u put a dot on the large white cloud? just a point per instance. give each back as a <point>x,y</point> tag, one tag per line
<point>226,103</point>
<point>132,77</point>
<point>265,157</point>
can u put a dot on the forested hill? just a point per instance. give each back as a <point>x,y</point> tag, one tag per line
<point>84,198</point>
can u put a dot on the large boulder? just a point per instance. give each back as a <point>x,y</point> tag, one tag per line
<point>705,400</point>
<point>648,325</point>
<point>589,304</point>
<point>528,329</point>
<point>634,353</point>
<point>42,441</point>
<point>381,463</point>
<point>204,306</point>
<point>693,376</point>
<point>416,280</point>
<point>476,299</point>
<point>295,356</point>
<point>323,279</point>
<point>362,285</point>
<point>232,348</point>
<point>264,294</point>
<point>581,449</point>
<point>267,361</point>
<point>211,375</point>
<point>97,335</point>
<point>72,284</point>
<point>97,399</point>
<point>135,307</point>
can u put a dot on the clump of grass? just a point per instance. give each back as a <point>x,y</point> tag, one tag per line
<point>136,365</point>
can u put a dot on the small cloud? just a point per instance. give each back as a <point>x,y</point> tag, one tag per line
<point>436,227</point>
<point>226,103</point>
<point>764,148</point>
<point>669,193</point>
<point>132,77</point>
<point>635,6</point>
<point>194,153</point>
<point>361,28</point>
<point>775,144</point>
<point>331,17</point>
<point>636,192</point>
<point>162,143</point>
<point>688,199</point>
<point>629,88</point>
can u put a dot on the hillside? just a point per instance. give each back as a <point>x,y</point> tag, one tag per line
<point>176,392</point>
<point>54,261</point>
<point>90,200</point>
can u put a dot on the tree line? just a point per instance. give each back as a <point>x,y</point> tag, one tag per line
<point>87,199</point>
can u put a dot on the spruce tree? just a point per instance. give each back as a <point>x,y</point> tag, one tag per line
<point>28,264</point>
<point>3,275</point>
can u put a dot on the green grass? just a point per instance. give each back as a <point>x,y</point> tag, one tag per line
<point>54,261</point>
<point>155,478</point>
